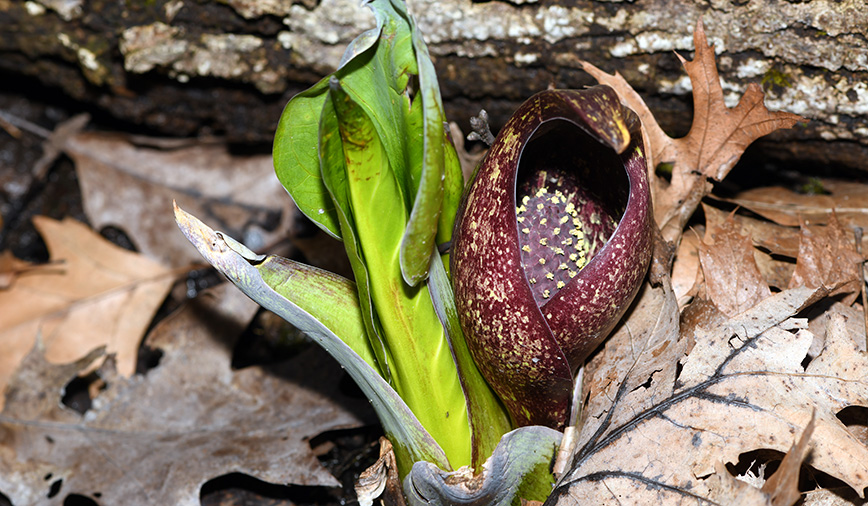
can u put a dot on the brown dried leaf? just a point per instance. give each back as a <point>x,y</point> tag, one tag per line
<point>782,487</point>
<point>130,182</point>
<point>828,258</point>
<point>780,241</point>
<point>11,268</point>
<point>685,269</point>
<point>777,239</point>
<point>95,294</point>
<point>742,388</point>
<point>714,144</point>
<point>732,279</point>
<point>849,201</point>
<point>156,438</point>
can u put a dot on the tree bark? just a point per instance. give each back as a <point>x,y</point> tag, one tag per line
<point>229,66</point>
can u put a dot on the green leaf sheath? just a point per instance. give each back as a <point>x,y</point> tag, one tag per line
<point>411,441</point>
<point>518,469</point>
<point>423,371</point>
<point>489,420</point>
<point>334,174</point>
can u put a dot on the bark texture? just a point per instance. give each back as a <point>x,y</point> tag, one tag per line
<point>184,67</point>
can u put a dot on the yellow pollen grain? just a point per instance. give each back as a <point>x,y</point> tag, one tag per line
<point>568,241</point>
<point>542,191</point>
<point>550,276</point>
<point>560,284</point>
<point>571,208</point>
<point>546,294</point>
<point>524,200</point>
<point>525,230</point>
<point>542,261</point>
<point>532,281</point>
<point>543,221</point>
<point>577,222</point>
<point>562,267</point>
<point>520,209</point>
<point>573,257</point>
<point>572,274</point>
<point>559,251</point>
<point>520,219</point>
<point>544,241</point>
<point>526,248</point>
<point>539,207</point>
<point>557,230</point>
<point>564,219</point>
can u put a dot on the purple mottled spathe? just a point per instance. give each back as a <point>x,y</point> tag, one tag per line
<point>551,244</point>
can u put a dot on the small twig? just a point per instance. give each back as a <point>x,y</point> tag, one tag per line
<point>10,120</point>
<point>481,129</point>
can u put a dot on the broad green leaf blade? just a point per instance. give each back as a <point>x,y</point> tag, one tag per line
<point>334,173</point>
<point>295,157</point>
<point>423,371</point>
<point>295,154</point>
<point>518,469</point>
<point>411,441</point>
<point>489,420</point>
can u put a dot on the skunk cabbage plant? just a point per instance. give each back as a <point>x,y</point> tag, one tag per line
<point>551,243</point>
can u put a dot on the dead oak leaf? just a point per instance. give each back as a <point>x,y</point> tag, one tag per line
<point>732,278</point>
<point>11,268</point>
<point>847,199</point>
<point>717,138</point>
<point>157,438</point>
<point>828,258</point>
<point>93,294</point>
<point>743,387</point>
<point>129,181</point>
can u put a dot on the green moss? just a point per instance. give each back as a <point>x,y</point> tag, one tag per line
<point>775,78</point>
<point>814,186</point>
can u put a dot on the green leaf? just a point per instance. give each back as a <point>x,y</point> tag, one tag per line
<point>417,349</point>
<point>295,157</point>
<point>489,420</point>
<point>418,243</point>
<point>334,173</point>
<point>329,298</point>
<point>411,441</point>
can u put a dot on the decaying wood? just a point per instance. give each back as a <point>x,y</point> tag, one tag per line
<point>229,66</point>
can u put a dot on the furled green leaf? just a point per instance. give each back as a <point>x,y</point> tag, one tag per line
<point>411,441</point>
<point>382,70</point>
<point>417,349</point>
<point>418,245</point>
<point>334,174</point>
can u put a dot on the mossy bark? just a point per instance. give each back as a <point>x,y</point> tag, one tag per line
<point>229,66</point>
